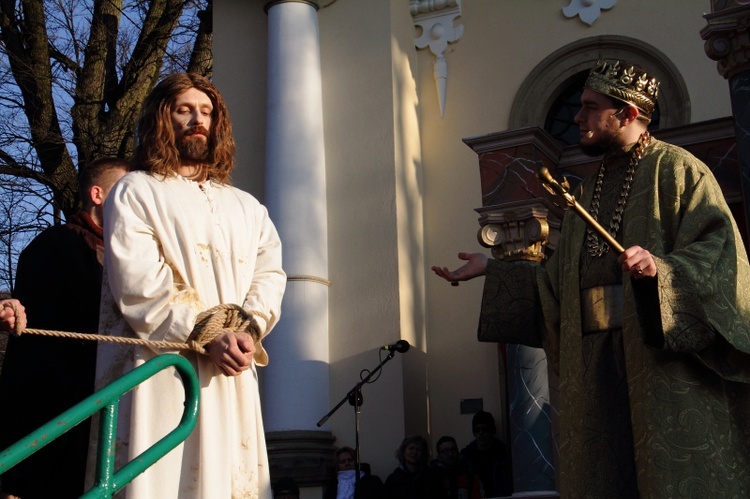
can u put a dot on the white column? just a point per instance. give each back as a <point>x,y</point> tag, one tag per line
<point>296,381</point>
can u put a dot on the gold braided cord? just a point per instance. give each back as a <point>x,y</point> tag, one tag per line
<point>208,325</point>
<point>310,278</point>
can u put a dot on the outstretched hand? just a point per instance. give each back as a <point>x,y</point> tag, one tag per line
<point>476,266</point>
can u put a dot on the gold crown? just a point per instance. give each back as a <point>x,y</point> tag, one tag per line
<point>624,82</point>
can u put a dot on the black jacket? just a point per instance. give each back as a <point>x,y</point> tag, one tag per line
<point>58,281</point>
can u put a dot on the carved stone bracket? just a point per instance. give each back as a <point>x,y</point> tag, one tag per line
<point>519,230</point>
<point>727,37</point>
<point>435,18</point>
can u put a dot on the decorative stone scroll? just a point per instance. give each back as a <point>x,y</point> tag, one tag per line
<point>727,40</point>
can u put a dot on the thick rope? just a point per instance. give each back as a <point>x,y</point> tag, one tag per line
<point>208,325</point>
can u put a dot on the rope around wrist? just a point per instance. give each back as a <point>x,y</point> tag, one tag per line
<point>208,325</point>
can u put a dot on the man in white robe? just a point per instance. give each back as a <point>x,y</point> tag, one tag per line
<point>179,241</point>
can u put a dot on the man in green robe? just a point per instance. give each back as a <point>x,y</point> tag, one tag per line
<point>651,345</point>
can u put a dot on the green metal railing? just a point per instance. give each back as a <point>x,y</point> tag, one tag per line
<point>108,481</point>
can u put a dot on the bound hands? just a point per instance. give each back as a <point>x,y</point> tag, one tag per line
<point>232,352</point>
<point>637,262</point>
<point>8,317</point>
<point>476,266</point>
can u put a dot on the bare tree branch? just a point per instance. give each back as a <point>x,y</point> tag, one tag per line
<point>202,58</point>
<point>73,76</point>
<point>66,61</point>
<point>27,45</point>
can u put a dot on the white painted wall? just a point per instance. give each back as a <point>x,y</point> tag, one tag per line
<point>402,186</point>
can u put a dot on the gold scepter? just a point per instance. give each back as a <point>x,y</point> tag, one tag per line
<point>554,187</point>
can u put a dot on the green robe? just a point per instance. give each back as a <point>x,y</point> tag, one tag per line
<point>684,345</point>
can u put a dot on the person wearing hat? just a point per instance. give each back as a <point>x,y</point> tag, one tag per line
<point>651,346</point>
<point>487,456</point>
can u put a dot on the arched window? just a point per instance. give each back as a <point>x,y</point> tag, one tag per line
<point>549,96</point>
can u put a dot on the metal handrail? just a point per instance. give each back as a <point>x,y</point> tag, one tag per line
<point>108,482</point>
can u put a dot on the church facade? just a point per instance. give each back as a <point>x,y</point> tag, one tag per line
<point>385,136</point>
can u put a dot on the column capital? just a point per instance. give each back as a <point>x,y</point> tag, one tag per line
<point>519,230</point>
<point>271,3</point>
<point>727,39</point>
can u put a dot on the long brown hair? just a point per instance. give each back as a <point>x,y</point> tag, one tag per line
<point>156,151</point>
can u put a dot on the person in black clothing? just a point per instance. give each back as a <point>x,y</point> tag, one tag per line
<point>413,478</point>
<point>452,473</point>
<point>58,280</point>
<point>488,456</point>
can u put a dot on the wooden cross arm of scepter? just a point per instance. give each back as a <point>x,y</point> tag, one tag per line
<point>554,187</point>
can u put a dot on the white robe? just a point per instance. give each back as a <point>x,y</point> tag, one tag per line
<point>175,248</point>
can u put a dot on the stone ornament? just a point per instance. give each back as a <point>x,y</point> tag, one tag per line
<point>588,10</point>
<point>436,18</point>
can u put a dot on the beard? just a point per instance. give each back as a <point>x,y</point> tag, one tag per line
<point>608,141</point>
<point>192,147</point>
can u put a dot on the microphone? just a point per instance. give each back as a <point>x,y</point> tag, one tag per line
<point>399,346</point>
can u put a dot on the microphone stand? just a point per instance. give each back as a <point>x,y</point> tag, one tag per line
<point>354,397</point>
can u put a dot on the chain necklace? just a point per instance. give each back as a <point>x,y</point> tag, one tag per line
<point>595,246</point>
